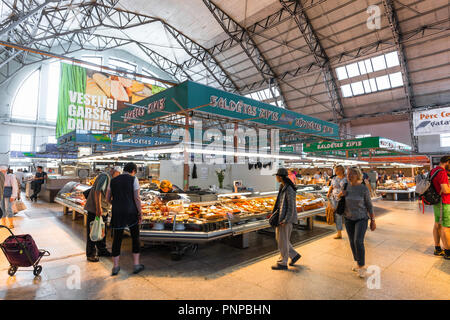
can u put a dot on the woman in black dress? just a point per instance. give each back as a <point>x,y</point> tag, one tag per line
<point>126,213</point>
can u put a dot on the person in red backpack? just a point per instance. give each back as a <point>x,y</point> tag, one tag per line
<point>441,229</point>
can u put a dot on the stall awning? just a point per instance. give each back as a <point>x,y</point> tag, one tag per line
<point>369,146</point>
<point>190,97</point>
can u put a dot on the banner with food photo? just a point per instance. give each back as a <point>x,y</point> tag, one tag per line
<point>88,97</point>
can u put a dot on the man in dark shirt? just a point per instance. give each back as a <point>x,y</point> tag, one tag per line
<point>38,181</point>
<point>97,206</point>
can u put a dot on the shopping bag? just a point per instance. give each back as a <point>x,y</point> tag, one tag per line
<point>330,213</point>
<point>97,229</point>
<point>18,206</point>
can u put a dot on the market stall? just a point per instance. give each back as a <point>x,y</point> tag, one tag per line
<point>183,222</point>
<point>398,187</point>
<point>187,223</point>
<point>180,109</point>
<point>72,199</point>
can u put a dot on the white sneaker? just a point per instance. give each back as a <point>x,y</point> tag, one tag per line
<point>361,272</point>
<point>355,267</point>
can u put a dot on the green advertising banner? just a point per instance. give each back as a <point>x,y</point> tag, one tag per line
<point>379,146</point>
<point>87,98</point>
<point>194,96</point>
<point>289,149</point>
<point>363,143</point>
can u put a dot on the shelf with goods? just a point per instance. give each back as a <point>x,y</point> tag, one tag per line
<point>394,188</point>
<point>72,199</point>
<point>206,221</point>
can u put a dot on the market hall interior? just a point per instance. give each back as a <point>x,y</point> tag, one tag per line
<point>400,252</point>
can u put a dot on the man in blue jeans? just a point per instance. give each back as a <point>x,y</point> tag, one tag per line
<point>97,206</point>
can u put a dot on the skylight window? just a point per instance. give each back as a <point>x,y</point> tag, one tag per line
<point>151,81</point>
<point>352,70</point>
<point>346,91</point>
<point>371,85</point>
<point>367,88</point>
<point>341,73</point>
<point>357,88</point>
<point>264,95</point>
<point>94,60</point>
<point>121,64</point>
<point>378,63</point>
<point>362,67</point>
<point>383,82</point>
<point>392,59</point>
<point>368,65</point>
<point>396,79</point>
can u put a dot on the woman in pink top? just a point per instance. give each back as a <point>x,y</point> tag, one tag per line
<point>292,177</point>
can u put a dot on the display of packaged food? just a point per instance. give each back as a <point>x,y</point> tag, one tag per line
<point>403,184</point>
<point>202,216</point>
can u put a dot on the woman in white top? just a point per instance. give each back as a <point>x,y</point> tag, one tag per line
<point>10,193</point>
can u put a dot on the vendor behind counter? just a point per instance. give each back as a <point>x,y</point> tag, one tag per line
<point>167,191</point>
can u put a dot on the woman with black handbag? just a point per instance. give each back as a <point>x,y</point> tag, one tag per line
<point>283,217</point>
<point>358,209</point>
<point>337,185</point>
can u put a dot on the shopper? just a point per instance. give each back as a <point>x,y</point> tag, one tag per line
<point>292,176</point>
<point>373,178</point>
<point>358,208</point>
<point>19,182</point>
<point>318,175</point>
<point>126,213</point>
<point>37,183</point>
<point>400,174</point>
<point>19,175</point>
<point>10,193</point>
<point>287,209</point>
<point>337,186</point>
<point>419,176</point>
<point>441,229</point>
<point>3,172</point>
<point>394,176</point>
<point>97,206</point>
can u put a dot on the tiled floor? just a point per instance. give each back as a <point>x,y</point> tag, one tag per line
<point>401,248</point>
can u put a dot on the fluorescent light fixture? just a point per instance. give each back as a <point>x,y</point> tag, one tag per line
<point>242,154</point>
<point>267,193</point>
<point>340,161</point>
<point>233,194</point>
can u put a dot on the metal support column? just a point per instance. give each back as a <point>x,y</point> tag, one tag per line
<point>397,35</point>
<point>321,58</point>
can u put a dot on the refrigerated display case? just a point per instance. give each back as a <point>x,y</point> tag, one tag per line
<point>206,221</point>
<point>72,199</point>
<point>184,222</point>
